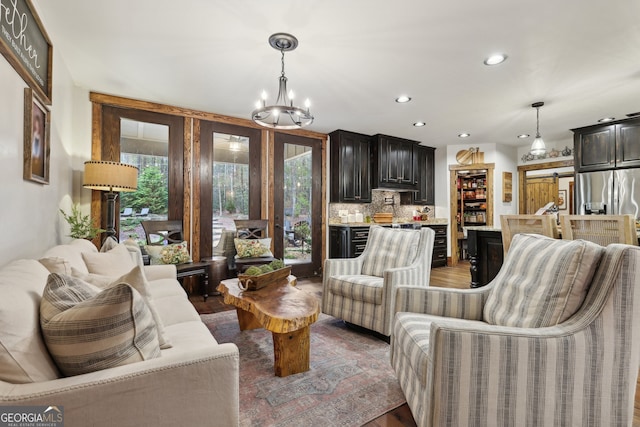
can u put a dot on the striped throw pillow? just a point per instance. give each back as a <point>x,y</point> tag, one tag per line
<point>542,282</point>
<point>389,248</point>
<point>87,330</point>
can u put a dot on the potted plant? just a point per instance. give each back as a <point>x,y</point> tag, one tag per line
<point>81,225</point>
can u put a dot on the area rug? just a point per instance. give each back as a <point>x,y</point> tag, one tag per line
<point>350,381</point>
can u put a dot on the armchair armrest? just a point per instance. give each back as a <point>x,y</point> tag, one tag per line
<point>446,302</point>
<point>339,266</point>
<point>155,272</point>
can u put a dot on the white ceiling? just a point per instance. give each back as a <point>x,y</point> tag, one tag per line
<point>581,57</point>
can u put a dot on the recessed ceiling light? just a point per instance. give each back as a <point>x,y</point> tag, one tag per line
<point>402,99</point>
<point>606,119</point>
<point>419,124</point>
<point>464,135</point>
<point>523,135</point>
<point>495,59</point>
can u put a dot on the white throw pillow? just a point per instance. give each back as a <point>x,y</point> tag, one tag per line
<point>115,262</point>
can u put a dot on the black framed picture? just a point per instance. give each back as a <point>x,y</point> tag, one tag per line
<point>37,123</point>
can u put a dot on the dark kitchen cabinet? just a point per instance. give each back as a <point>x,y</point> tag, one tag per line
<point>346,241</point>
<point>601,147</point>
<point>424,175</point>
<point>393,163</point>
<point>351,167</point>
<point>339,242</point>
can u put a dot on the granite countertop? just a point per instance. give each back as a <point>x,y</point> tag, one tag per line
<point>434,221</point>
<point>482,228</point>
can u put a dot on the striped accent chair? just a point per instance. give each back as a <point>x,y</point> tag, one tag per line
<point>570,358</point>
<point>362,290</point>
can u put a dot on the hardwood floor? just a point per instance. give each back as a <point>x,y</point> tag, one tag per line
<point>447,277</point>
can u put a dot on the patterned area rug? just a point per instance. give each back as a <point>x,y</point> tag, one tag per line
<point>350,382</point>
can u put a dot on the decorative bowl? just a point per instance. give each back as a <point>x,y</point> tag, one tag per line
<point>253,283</point>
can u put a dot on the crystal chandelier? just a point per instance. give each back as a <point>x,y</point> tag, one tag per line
<point>283,114</point>
<point>538,148</point>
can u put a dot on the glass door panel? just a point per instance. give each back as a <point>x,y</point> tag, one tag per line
<point>230,179</point>
<point>230,194</point>
<point>297,198</point>
<point>146,146</point>
<point>297,203</point>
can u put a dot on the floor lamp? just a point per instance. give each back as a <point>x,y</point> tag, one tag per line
<point>111,177</point>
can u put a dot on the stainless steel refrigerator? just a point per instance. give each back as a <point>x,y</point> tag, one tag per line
<point>612,192</point>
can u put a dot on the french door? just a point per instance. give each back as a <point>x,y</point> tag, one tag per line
<point>230,179</point>
<point>297,203</point>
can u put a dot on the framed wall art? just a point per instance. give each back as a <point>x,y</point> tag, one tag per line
<point>26,45</point>
<point>562,200</point>
<point>37,124</point>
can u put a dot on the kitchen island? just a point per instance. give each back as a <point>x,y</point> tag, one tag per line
<point>486,253</point>
<point>348,240</point>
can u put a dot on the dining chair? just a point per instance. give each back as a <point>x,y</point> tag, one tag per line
<point>601,229</point>
<point>530,224</point>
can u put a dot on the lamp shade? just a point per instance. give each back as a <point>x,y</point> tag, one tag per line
<point>538,147</point>
<point>110,176</point>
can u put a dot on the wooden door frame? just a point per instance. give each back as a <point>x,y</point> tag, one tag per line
<point>522,177</point>
<point>191,159</point>
<point>453,201</point>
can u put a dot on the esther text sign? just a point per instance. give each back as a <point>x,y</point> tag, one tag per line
<point>25,44</point>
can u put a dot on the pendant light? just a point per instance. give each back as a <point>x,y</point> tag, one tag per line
<point>538,148</point>
<point>283,114</point>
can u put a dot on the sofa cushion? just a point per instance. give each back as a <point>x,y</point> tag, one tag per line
<point>23,354</point>
<point>115,262</point>
<point>174,253</point>
<point>95,331</point>
<point>542,282</point>
<point>389,248</point>
<point>357,287</point>
<point>138,281</point>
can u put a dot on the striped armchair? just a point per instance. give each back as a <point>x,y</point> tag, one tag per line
<point>559,347</point>
<point>362,290</point>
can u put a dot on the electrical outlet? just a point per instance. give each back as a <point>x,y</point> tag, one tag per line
<point>388,200</point>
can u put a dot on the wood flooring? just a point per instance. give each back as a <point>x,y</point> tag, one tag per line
<point>447,277</point>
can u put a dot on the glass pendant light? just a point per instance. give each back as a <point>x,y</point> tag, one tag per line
<point>538,148</point>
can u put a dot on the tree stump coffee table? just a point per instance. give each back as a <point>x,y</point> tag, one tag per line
<point>282,309</point>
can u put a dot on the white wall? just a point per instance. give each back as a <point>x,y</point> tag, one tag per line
<point>29,215</point>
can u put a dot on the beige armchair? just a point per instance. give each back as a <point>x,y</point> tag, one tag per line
<point>362,290</point>
<point>553,340</point>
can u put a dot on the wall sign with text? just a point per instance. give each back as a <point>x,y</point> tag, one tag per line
<point>25,44</point>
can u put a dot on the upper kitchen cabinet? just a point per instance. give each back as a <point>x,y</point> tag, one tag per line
<point>393,163</point>
<point>351,167</point>
<point>614,145</point>
<point>424,175</point>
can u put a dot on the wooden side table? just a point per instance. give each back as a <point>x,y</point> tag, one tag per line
<point>213,270</point>
<point>195,269</point>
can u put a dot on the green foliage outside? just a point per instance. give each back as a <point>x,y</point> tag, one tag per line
<point>152,192</point>
<point>81,225</point>
<point>302,231</point>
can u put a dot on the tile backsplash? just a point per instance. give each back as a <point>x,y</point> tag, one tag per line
<point>378,205</point>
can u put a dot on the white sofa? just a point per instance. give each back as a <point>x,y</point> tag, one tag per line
<point>194,383</point>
